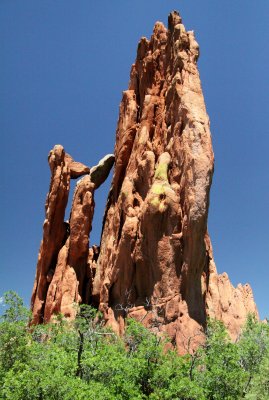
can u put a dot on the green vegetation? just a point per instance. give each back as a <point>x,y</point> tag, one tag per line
<point>83,361</point>
<point>162,171</point>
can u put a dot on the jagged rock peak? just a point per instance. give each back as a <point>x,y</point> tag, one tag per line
<point>63,273</point>
<point>155,260</point>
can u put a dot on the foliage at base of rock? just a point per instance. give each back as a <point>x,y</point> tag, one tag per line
<point>84,360</point>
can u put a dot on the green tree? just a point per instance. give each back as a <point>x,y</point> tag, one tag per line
<point>14,335</point>
<point>259,387</point>
<point>253,347</point>
<point>83,360</point>
<point>219,371</point>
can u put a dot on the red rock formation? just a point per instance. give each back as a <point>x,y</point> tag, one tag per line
<point>226,303</point>
<point>155,260</point>
<point>61,277</point>
<point>67,286</point>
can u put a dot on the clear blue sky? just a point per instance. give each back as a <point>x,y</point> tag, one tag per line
<point>63,67</point>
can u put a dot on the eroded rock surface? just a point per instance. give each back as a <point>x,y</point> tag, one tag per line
<point>155,260</point>
<point>225,302</point>
<point>61,277</point>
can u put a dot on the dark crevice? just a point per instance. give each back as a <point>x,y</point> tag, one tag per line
<point>121,226</point>
<point>136,203</point>
<point>151,132</point>
<point>108,204</point>
<point>182,126</point>
<point>110,297</point>
<point>42,311</point>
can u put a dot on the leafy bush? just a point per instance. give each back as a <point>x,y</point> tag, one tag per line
<point>83,360</point>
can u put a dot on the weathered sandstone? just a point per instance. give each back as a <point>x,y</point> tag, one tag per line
<point>226,303</point>
<point>61,276</point>
<point>155,260</point>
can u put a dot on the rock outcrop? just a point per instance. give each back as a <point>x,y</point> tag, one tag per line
<point>155,263</point>
<point>225,302</point>
<point>155,259</point>
<point>62,277</point>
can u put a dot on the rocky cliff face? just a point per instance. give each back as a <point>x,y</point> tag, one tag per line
<point>155,259</point>
<point>63,273</point>
<point>226,303</point>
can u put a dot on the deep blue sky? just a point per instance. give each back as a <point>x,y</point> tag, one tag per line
<point>63,67</point>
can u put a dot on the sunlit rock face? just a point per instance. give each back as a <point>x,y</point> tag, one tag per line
<point>225,302</point>
<point>63,272</point>
<point>155,259</point>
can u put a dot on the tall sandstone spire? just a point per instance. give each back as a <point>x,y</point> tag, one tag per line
<point>155,262</point>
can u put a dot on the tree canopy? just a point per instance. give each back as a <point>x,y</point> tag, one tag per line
<point>84,360</point>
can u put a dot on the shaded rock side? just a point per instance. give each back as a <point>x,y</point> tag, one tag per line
<point>62,277</point>
<point>154,262</point>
